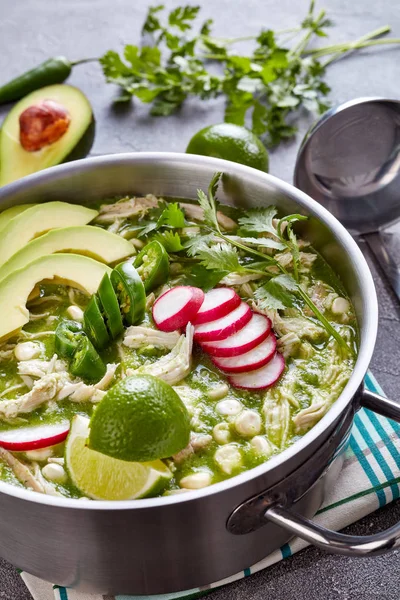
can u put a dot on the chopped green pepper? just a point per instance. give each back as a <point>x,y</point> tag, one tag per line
<point>109,303</point>
<point>153,265</point>
<point>94,325</point>
<point>86,362</point>
<point>130,292</point>
<point>67,337</point>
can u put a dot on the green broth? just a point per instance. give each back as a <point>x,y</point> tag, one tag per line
<point>316,372</point>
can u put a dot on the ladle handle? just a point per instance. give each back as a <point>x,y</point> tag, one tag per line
<point>340,543</point>
<point>384,259</point>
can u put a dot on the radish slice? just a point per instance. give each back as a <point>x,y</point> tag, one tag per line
<point>250,361</point>
<point>250,336</point>
<point>262,378</point>
<point>224,327</point>
<point>176,307</point>
<point>33,438</point>
<point>217,303</point>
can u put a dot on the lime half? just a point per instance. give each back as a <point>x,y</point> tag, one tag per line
<point>103,478</point>
<point>141,418</point>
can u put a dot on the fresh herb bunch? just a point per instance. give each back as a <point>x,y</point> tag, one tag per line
<point>265,87</point>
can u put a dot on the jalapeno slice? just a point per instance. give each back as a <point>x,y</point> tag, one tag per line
<point>152,265</point>
<point>86,362</point>
<point>94,325</point>
<point>130,292</point>
<point>109,302</point>
<point>67,337</point>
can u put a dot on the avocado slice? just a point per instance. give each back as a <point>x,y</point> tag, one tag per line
<point>39,219</point>
<point>79,271</point>
<point>91,241</point>
<point>75,130</point>
<point>12,212</point>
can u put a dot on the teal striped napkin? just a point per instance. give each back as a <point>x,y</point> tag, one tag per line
<point>369,479</point>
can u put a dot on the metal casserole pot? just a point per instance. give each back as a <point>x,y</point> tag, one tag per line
<point>179,542</point>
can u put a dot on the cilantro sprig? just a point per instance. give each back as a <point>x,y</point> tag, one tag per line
<point>266,87</point>
<point>277,292</point>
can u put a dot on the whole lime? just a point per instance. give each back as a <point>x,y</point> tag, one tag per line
<point>141,419</point>
<point>231,142</point>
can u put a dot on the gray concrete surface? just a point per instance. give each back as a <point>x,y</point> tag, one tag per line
<point>32,30</point>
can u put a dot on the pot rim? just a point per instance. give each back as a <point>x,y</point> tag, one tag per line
<point>370,314</point>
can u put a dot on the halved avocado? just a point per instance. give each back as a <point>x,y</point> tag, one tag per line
<point>12,212</point>
<point>43,129</point>
<point>79,271</point>
<point>90,241</point>
<point>39,219</point>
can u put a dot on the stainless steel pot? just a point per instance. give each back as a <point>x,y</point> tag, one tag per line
<point>179,542</point>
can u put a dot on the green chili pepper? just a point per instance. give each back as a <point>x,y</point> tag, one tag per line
<point>53,70</point>
<point>153,265</point>
<point>94,325</point>
<point>109,303</point>
<point>130,292</point>
<point>67,337</point>
<point>86,362</point>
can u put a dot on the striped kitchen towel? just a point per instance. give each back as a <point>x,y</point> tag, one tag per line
<point>370,479</point>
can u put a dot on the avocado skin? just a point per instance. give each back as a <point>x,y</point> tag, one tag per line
<point>84,146</point>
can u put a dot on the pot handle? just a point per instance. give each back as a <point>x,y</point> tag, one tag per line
<point>340,543</point>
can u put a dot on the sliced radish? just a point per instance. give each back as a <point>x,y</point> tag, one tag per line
<point>249,361</point>
<point>219,329</point>
<point>217,303</point>
<point>250,336</point>
<point>262,378</point>
<point>176,307</point>
<point>33,438</point>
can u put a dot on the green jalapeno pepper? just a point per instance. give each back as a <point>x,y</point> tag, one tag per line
<point>67,337</point>
<point>51,71</point>
<point>130,292</point>
<point>94,324</point>
<point>109,302</point>
<point>152,265</point>
<point>86,362</point>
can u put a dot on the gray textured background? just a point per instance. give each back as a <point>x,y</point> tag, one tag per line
<point>33,30</point>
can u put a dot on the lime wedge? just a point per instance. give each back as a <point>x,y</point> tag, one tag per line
<point>103,478</point>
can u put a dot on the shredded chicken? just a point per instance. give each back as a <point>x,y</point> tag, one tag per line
<point>304,328</point>
<point>288,344</point>
<point>126,208</point>
<point>137,337</point>
<point>43,390</point>
<point>39,368</point>
<point>239,279</point>
<point>194,211</point>
<point>48,488</point>
<point>198,442</point>
<point>21,471</point>
<point>173,367</point>
<point>81,392</point>
<point>307,417</point>
<point>277,420</point>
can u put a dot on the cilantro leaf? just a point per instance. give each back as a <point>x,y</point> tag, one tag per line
<point>264,242</point>
<point>200,276</point>
<point>170,240</point>
<point>181,16</point>
<point>276,293</point>
<point>222,257</point>
<point>197,243</point>
<point>172,216</point>
<point>209,203</point>
<point>259,220</point>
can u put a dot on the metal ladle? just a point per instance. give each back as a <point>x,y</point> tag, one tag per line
<point>349,161</point>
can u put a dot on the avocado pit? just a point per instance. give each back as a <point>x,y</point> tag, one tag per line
<point>42,124</point>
